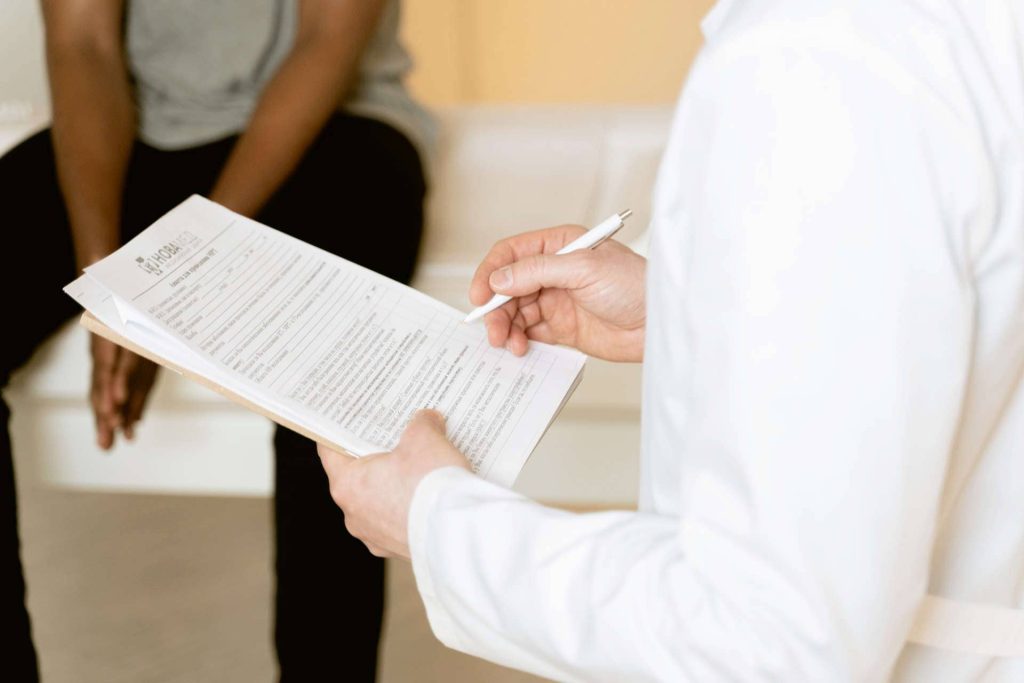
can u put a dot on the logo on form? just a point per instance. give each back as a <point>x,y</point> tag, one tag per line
<point>157,262</point>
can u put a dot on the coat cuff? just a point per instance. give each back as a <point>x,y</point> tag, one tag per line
<point>424,501</point>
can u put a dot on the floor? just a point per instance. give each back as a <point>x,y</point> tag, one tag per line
<point>170,588</point>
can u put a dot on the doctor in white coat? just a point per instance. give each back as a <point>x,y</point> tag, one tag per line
<point>832,330</point>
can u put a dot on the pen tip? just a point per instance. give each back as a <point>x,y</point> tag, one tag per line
<point>625,214</point>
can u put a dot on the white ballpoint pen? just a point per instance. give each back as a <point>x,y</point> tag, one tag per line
<point>588,240</point>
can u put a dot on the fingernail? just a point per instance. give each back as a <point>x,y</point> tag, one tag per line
<point>501,278</point>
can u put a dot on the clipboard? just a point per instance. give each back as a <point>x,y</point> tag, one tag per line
<point>94,325</point>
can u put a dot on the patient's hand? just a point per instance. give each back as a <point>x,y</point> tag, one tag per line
<point>375,491</point>
<point>121,382</point>
<point>591,299</point>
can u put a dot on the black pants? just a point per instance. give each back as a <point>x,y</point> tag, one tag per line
<point>358,193</point>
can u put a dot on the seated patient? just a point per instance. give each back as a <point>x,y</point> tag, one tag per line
<point>290,111</point>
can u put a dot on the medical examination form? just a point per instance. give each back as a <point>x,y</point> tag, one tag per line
<point>319,343</point>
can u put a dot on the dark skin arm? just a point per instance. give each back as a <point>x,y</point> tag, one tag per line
<point>93,117</point>
<point>298,101</point>
<point>93,132</point>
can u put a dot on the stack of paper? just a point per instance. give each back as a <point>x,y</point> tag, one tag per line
<point>321,345</point>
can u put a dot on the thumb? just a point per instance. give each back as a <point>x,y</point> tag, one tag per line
<point>425,427</point>
<point>531,274</point>
<point>429,420</point>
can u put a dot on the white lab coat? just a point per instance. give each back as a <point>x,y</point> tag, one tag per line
<point>833,418</point>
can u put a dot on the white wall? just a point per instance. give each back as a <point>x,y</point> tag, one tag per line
<point>22,64</point>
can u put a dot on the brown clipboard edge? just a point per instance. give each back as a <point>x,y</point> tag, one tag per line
<point>93,324</point>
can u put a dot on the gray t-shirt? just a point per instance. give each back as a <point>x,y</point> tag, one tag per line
<point>200,66</point>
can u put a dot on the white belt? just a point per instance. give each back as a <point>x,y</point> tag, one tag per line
<point>970,627</point>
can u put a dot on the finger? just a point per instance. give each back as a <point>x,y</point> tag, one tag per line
<point>499,323</point>
<point>530,275</point>
<point>376,550</point>
<point>103,439</point>
<point>531,314</point>
<point>104,432</point>
<point>120,377</point>
<point>341,472</point>
<point>541,332</point>
<point>328,453</point>
<point>334,462</point>
<point>425,427</point>
<point>429,419</point>
<point>501,254</point>
<point>517,343</point>
<point>133,411</point>
<point>519,321</point>
<point>106,426</point>
<point>104,360</point>
<point>143,378</point>
<point>544,241</point>
<point>104,352</point>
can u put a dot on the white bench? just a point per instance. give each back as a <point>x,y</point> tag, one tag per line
<point>498,171</point>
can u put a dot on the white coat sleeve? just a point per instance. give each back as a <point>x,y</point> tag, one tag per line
<point>811,322</point>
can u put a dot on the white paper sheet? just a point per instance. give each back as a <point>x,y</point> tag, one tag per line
<point>332,346</point>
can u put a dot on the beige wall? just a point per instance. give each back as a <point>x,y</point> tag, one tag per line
<point>468,51</point>
<point>595,51</point>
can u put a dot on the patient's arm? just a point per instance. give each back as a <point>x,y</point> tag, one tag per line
<point>93,117</point>
<point>298,101</point>
<point>93,132</point>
